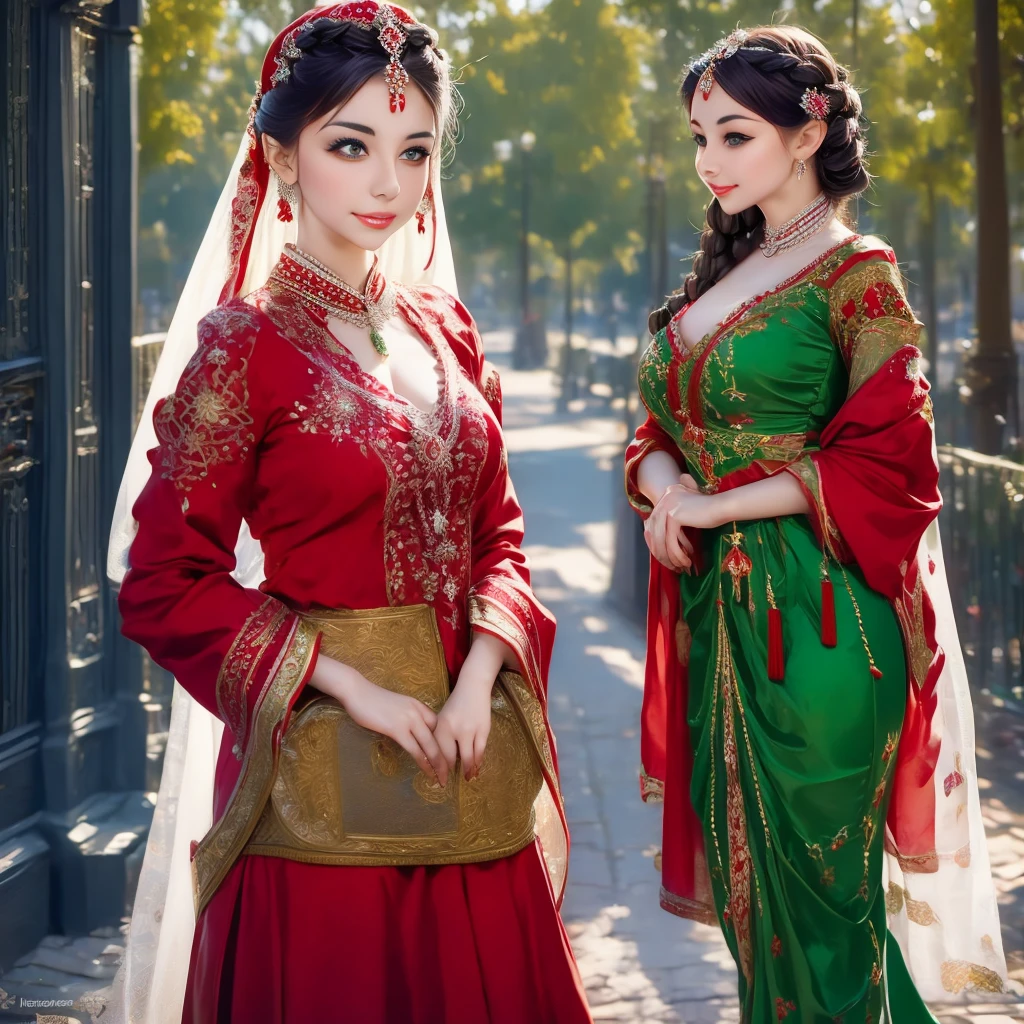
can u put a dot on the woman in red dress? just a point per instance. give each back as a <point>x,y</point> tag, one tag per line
<point>350,424</point>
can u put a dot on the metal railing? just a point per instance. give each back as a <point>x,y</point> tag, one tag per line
<point>982,524</point>
<point>146,349</point>
<point>157,683</point>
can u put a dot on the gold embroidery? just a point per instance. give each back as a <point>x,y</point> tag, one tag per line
<point>958,975</point>
<point>433,478</point>
<point>919,653</point>
<point>872,318</point>
<point>806,471</point>
<point>693,910</point>
<point>241,662</point>
<point>221,846</point>
<point>496,604</point>
<point>894,899</point>
<point>919,911</point>
<point>344,795</point>
<point>876,967</point>
<point>207,422</point>
<point>652,790</point>
<point>491,389</point>
<point>639,450</point>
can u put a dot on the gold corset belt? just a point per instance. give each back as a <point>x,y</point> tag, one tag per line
<point>345,795</point>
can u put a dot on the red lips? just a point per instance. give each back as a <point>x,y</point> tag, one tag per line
<point>377,221</point>
<point>721,190</point>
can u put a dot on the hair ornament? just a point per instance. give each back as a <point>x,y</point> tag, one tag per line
<point>392,24</point>
<point>815,104</point>
<point>722,50</point>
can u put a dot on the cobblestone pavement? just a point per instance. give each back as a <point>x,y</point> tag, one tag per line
<point>640,964</point>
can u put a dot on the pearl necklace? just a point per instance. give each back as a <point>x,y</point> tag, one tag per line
<point>809,221</point>
<point>322,288</point>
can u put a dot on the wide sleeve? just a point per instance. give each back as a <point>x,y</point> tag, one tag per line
<point>243,655</point>
<point>650,437</point>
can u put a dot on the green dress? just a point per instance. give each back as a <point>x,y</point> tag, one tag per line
<point>791,775</point>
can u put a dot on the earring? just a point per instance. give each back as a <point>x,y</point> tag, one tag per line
<point>426,206</point>
<point>800,168</point>
<point>286,199</point>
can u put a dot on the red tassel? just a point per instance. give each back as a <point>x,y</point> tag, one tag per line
<point>776,662</point>
<point>828,614</point>
<point>876,672</point>
<point>284,210</point>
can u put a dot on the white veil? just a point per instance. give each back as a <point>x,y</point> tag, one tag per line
<point>150,984</point>
<point>946,921</point>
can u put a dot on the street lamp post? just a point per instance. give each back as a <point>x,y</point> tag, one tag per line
<point>530,347</point>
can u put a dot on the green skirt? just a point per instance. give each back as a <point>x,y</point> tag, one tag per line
<point>791,777</point>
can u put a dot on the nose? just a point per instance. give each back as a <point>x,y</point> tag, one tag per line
<point>386,186</point>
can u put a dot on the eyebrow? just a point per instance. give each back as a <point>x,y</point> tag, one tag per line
<point>369,131</point>
<point>728,117</point>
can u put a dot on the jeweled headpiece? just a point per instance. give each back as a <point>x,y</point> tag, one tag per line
<point>392,24</point>
<point>722,50</point>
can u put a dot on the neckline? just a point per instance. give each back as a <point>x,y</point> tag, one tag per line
<point>739,312</point>
<point>375,286</point>
<point>421,418</point>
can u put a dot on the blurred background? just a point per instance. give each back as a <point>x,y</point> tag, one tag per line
<point>574,209</point>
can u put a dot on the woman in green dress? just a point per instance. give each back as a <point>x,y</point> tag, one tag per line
<point>797,716</point>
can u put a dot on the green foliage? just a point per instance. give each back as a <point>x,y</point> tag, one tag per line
<point>597,82</point>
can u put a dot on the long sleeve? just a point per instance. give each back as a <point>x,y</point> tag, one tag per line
<point>243,655</point>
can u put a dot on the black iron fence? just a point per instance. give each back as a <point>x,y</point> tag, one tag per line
<point>982,524</point>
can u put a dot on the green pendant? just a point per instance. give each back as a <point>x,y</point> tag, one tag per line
<point>378,342</point>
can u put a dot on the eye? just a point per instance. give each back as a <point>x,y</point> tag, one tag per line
<point>415,154</point>
<point>351,149</point>
<point>735,139</point>
<point>699,139</point>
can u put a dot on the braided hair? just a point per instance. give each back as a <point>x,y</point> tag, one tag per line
<point>771,82</point>
<point>338,59</point>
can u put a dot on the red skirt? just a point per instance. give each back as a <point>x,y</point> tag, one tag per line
<point>282,942</point>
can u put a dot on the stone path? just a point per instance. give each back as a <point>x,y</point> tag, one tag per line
<point>640,964</point>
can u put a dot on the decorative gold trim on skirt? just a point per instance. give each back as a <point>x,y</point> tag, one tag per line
<point>346,795</point>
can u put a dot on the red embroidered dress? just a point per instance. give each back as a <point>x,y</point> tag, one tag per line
<point>359,500</point>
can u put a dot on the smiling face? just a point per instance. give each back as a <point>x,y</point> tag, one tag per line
<point>361,170</point>
<point>741,157</point>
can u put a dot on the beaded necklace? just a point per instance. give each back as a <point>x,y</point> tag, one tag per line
<point>809,221</point>
<point>319,286</point>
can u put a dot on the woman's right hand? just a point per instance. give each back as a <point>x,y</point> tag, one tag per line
<point>665,537</point>
<point>409,722</point>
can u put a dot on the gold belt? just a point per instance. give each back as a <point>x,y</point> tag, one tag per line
<point>346,795</point>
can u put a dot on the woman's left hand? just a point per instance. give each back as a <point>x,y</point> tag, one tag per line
<point>464,723</point>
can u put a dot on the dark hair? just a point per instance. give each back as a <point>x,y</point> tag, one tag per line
<point>771,82</point>
<point>338,59</point>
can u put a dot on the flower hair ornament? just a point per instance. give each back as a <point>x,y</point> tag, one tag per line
<point>815,104</point>
<point>392,25</point>
<point>722,50</point>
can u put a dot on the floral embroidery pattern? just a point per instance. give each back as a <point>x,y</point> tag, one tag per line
<point>207,421</point>
<point>433,476</point>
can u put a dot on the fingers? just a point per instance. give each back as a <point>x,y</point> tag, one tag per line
<point>479,746</point>
<point>673,549</point>
<point>437,763</point>
<point>446,741</point>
